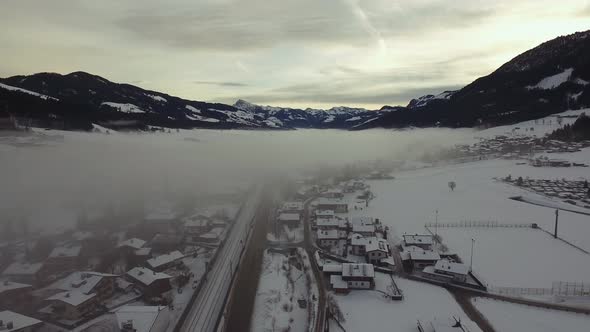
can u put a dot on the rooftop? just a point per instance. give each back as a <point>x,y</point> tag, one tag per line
<point>165,259</point>
<point>6,285</point>
<point>146,276</point>
<point>358,270</point>
<point>288,217</point>
<point>143,317</point>
<point>424,255</point>
<point>331,234</point>
<point>410,239</point>
<point>324,213</point>
<point>18,321</point>
<point>362,221</point>
<point>80,281</point>
<point>17,268</point>
<point>74,298</point>
<point>65,251</point>
<point>375,244</point>
<point>292,206</point>
<point>134,243</point>
<point>363,228</point>
<point>451,267</point>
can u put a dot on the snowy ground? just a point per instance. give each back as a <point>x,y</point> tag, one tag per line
<point>517,257</point>
<point>286,234</point>
<point>371,311</point>
<point>506,316</point>
<point>280,287</point>
<point>180,300</point>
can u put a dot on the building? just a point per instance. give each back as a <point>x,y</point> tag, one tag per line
<point>446,270</point>
<point>197,225</point>
<point>328,238</point>
<point>337,205</point>
<point>131,245</point>
<point>87,282</point>
<point>166,261</point>
<point>376,250</point>
<point>358,244</point>
<point>333,193</point>
<point>27,273</point>
<point>143,318</point>
<point>292,207</point>
<point>13,322</point>
<point>362,221</point>
<point>326,224</point>
<point>64,258</point>
<point>364,230</point>
<point>418,240</point>
<point>419,259</point>
<point>70,305</point>
<point>324,214</point>
<point>289,219</point>
<point>152,283</point>
<point>353,276</point>
<point>14,295</point>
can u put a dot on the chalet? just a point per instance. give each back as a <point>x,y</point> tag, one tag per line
<point>447,270</point>
<point>64,258</point>
<point>358,244</point>
<point>376,250</point>
<point>14,322</point>
<point>333,193</point>
<point>292,207</point>
<point>131,245</point>
<point>152,283</point>
<point>166,261</point>
<point>14,295</point>
<point>364,230</point>
<point>353,276</point>
<point>363,221</point>
<point>28,273</point>
<point>328,238</point>
<point>418,240</point>
<point>337,205</point>
<point>324,214</point>
<point>71,305</point>
<point>289,219</point>
<point>419,259</point>
<point>86,282</point>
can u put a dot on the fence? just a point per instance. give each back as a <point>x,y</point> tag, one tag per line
<point>559,288</point>
<point>479,223</point>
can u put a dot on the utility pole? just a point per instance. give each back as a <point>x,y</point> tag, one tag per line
<point>471,263</point>
<point>436,225</point>
<point>556,221</point>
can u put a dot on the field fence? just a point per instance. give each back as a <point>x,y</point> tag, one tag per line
<point>479,223</point>
<point>559,288</point>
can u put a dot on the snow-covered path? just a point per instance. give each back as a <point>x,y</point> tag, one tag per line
<point>205,312</point>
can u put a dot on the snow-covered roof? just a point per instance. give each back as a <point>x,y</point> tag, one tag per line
<point>324,213</point>
<point>337,282</point>
<point>331,234</point>
<point>288,217</point>
<point>143,251</point>
<point>165,259</point>
<point>143,317</point>
<point>82,235</point>
<point>424,255</point>
<point>199,222</point>
<point>332,268</point>
<point>17,268</point>
<point>358,240</point>
<point>451,267</point>
<point>19,322</point>
<point>328,222</point>
<point>6,285</point>
<point>363,228</point>
<point>358,270</point>
<point>413,239</point>
<point>78,281</point>
<point>292,206</point>
<point>74,298</point>
<point>375,244</point>
<point>146,276</point>
<point>331,201</point>
<point>134,243</point>
<point>65,251</point>
<point>362,221</point>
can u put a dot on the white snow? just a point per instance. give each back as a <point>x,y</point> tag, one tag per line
<point>21,322</point>
<point>554,81</point>
<point>157,98</point>
<point>146,276</point>
<point>12,88</point>
<point>329,118</point>
<point>505,316</point>
<point>125,108</point>
<point>74,298</point>
<point>158,261</point>
<point>354,118</point>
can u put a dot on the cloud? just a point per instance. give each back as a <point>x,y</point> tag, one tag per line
<point>221,84</point>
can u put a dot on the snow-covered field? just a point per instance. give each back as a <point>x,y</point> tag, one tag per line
<point>281,285</point>
<point>517,257</point>
<point>506,316</point>
<point>370,311</point>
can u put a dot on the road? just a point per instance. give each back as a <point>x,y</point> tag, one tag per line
<point>206,311</point>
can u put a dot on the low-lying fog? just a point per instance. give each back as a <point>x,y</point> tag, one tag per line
<point>48,184</point>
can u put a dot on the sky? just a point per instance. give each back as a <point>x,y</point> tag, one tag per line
<point>297,53</point>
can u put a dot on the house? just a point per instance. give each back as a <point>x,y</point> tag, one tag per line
<point>333,193</point>
<point>14,295</point>
<point>358,244</point>
<point>337,205</point>
<point>163,262</point>
<point>418,240</point>
<point>447,270</point>
<point>28,273</point>
<point>87,282</point>
<point>71,305</point>
<point>143,318</point>
<point>353,276</point>
<point>419,259</point>
<point>324,214</point>
<point>64,258</point>
<point>364,230</point>
<point>14,322</point>
<point>289,219</point>
<point>362,221</point>
<point>152,283</point>
<point>292,207</point>
<point>197,225</point>
<point>327,238</point>
<point>131,245</point>
<point>376,250</point>
<point>326,224</point>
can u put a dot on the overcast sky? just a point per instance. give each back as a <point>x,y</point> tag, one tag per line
<point>305,53</point>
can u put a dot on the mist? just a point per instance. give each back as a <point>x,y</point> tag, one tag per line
<point>48,183</point>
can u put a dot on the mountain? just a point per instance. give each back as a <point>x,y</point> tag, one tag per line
<point>547,79</point>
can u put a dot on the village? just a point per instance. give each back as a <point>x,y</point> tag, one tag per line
<point>133,277</point>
